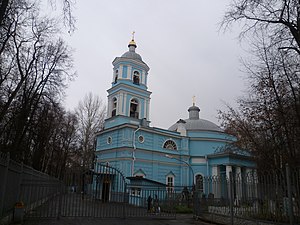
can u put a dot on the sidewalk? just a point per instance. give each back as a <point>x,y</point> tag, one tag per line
<point>181,220</point>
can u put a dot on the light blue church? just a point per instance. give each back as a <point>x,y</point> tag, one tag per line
<point>179,156</point>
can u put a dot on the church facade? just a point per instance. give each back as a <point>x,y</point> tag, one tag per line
<point>179,156</point>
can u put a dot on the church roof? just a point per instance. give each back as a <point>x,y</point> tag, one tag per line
<point>194,123</point>
<point>131,54</point>
<point>197,125</point>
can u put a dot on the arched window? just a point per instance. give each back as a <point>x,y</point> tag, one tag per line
<point>199,183</point>
<point>116,75</point>
<point>169,144</point>
<point>114,107</point>
<point>134,108</point>
<point>136,77</point>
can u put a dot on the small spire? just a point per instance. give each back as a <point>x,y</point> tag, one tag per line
<point>132,42</point>
<point>194,110</point>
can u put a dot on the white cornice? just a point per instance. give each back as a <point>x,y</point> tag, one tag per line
<point>140,63</point>
<point>122,85</point>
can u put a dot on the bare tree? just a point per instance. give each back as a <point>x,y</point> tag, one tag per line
<point>267,121</point>
<point>90,115</point>
<point>35,66</point>
<point>280,19</point>
<point>67,11</point>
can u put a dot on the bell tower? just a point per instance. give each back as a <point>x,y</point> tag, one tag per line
<point>128,97</point>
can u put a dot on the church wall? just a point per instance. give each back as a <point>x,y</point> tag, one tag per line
<point>154,141</point>
<point>152,164</point>
<point>204,147</point>
<point>184,145</point>
<point>241,162</point>
<point>142,108</point>
<point>201,169</point>
<point>231,161</point>
<point>212,135</point>
<point>123,137</point>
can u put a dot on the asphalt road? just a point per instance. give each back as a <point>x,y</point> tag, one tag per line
<point>180,220</point>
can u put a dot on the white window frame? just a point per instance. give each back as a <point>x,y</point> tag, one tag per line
<point>170,185</point>
<point>135,191</point>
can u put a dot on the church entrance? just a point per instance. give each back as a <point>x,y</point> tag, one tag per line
<point>105,190</point>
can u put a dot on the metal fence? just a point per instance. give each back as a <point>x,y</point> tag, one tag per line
<point>99,193</point>
<point>14,185</point>
<point>272,196</point>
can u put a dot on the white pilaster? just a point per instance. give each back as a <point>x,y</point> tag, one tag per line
<point>120,71</point>
<point>148,109</point>
<point>109,107</point>
<point>121,102</point>
<point>118,109</point>
<point>113,77</point>
<point>216,186</point>
<point>143,77</point>
<point>238,184</point>
<point>129,71</point>
<point>215,171</point>
<point>125,104</point>
<point>145,109</point>
<point>228,170</point>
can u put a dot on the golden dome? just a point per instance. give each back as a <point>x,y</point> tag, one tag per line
<point>132,43</point>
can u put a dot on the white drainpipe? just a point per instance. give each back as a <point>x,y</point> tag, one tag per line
<point>134,147</point>
<point>207,171</point>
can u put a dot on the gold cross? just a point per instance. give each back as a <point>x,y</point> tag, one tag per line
<point>133,32</point>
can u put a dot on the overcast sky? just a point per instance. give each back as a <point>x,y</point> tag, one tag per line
<point>178,39</point>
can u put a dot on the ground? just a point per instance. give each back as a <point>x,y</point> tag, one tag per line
<point>180,220</point>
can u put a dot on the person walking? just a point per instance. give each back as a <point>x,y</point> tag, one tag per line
<point>149,200</point>
<point>155,204</point>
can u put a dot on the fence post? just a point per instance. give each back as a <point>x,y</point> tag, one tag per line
<point>4,181</point>
<point>20,182</point>
<point>231,197</point>
<point>61,192</point>
<point>124,201</point>
<point>290,199</point>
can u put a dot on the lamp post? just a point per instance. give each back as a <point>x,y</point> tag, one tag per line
<point>186,163</point>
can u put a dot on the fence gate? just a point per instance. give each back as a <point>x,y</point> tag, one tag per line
<point>98,193</point>
<point>101,193</point>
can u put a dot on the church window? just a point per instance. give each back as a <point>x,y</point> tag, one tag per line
<point>199,183</point>
<point>134,108</point>
<point>116,75</point>
<point>141,139</point>
<point>170,144</point>
<point>136,191</point>
<point>114,107</point>
<point>170,183</point>
<point>109,140</point>
<point>136,77</point>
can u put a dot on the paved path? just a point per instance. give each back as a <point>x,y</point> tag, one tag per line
<point>181,220</point>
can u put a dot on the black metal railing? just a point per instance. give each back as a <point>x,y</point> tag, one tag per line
<point>266,196</point>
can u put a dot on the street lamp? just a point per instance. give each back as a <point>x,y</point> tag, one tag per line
<point>186,163</point>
